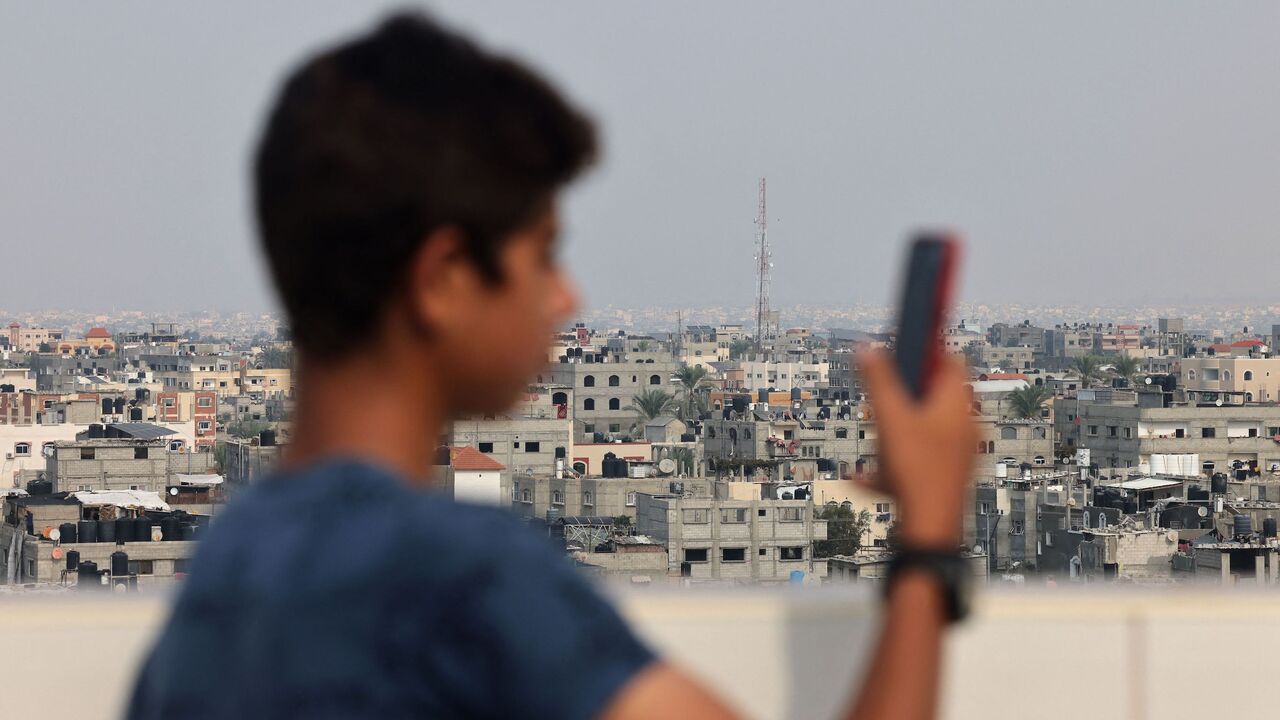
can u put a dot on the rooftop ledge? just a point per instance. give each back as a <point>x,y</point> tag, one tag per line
<point>791,652</point>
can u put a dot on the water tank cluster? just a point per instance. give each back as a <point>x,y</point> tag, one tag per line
<point>1108,497</point>
<point>613,467</point>
<point>127,530</point>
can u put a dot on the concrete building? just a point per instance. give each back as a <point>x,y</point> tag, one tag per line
<point>473,477</point>
<point>781,447</point>
<point>1234,380</point>
<point>873,566</point>
<point>531,438</point>
<point>131,456</point>
<point>30,340</point>
<point>734,540</point>
<point>247,461</point>
<point>604,385</point>
<point>552,497</point>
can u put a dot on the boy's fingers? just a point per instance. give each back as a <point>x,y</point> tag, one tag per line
<point>887,391</point>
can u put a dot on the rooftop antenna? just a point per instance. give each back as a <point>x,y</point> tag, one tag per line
<point>762,268</point>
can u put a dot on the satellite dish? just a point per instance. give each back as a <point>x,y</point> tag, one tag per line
<point>173,491</point>
<point>860,415</point>
<point>48,451</point>
<point>1148,380</point>
<point>55,535</point>
<point>666,466</point>
<point>1218,402</point>
<point>977,549</point>
<point>1203,512</point>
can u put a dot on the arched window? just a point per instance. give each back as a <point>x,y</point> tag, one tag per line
<point>982,447</point>
<point>1248,374</point>
<point>557,497</point>
<point>733,434</point>
<point>846,505</point>
<point>589,381</point>
<point>526,496</point>
<point>614,380</point>
<point>589,404</point>
<point>1191,374</point>
<point>1248,397</point>
<point>746,434</point>
<point>1039,460</point>
<point>614,404</point>
<point>1086,518</point>
<point>581,469</point>
<point>1008,433</point>
<point>560,398</point>
<point>22,448</point>
<point>1038,432</point>
<point>588,498</point>
<point>842,433</point>
<point>1226,374</point>
<point>655,380</point>
<point>991,447</point>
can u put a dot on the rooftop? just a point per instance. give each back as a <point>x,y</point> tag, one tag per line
<point>467,458</point>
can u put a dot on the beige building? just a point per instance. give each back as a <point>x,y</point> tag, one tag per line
<point>1234,380</point>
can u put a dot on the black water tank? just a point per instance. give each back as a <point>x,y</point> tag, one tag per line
<point>795,394</point>
<point>39,487</point>
<point>1130,506</point>
<point>119,405</point>
<point>560,453</point>
<point>124,529</point>
<point>73,559</point>
<point>762,395</point>
<point>107,531</point>
<point>67,533</point>
<point>1242,474</point>
<point>801,493</point>
<point>739,403</point>
<point>1269,527</point>
<point>87,576</point>
<point>1218,485</point>
<point>119,563</point>
<point>142,529</point>
<point>169,528</point>
<point>95,431</point>
<point>87,530</point>
<point>106,406</point>
<point>1242,525</point>
<point>267,438</point>
<point>138,394</point>
<point>135,414</point>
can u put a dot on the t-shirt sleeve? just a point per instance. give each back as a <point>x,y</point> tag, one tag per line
<point>539,638</point>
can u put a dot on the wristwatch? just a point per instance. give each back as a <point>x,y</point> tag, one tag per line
<point>948,570</point>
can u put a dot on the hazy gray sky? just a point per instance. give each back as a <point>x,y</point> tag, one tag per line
<point>1091,152</point>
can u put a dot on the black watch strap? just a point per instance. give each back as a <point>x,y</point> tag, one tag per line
<point>948,569</point>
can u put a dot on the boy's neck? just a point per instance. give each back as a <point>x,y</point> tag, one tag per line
<point>375,408</point>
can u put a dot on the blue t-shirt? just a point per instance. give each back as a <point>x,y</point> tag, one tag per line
<point>339,591</point>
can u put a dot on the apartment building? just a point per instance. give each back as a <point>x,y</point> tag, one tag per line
<point>603,385</point>
<point>734,540</point>
<point>1233,380</point>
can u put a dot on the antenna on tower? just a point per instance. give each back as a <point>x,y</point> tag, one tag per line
<point>762,268</point>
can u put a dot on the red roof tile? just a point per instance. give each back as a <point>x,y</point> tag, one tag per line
<point>1247,343</point>
<point>97,333</point>
<point>468,458</point>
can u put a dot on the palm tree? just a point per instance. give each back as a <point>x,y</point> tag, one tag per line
<point>684,458</point>
<point>1089,368</point>
<point>691,378</point>
<point>1026,402</point>
<point>1127,367</point>
<point>650,404</point>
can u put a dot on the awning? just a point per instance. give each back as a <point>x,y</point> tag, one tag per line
<point>121,498</point>
<point>1146,483</point>
<point>198,480</point>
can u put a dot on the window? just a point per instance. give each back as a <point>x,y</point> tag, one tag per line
<point>982,447</point>
<point>693,555</point>
<point>694,515</point>
<point>762,512</point>
<point>1128,433</point>
<point>141,567</point>
<point>655,380</point>
<point>515,492</point>
<point>204,402</point>
<point>763,552</point>
<point>791,514</point>
<point>1016,528</point>
<point>1208,432</point>
<point>588,498</point>
<point>733,515</point>
<point>589,381</point>
<point>526,496</point>
<point>884,507</point>
<point>862,434</point>
<point>22,449</point>
<point>87,453</point>
<point>175,446</point>
<point>1039,460</point>
<point>1008,433</point>
<point>589,404</point>
<point>1093,430</point>
<point>733,555</point>
<point>631,499</point>
<point>615,427</point>
<point>842,433</point>
<point>557,497</point>
<point>1113,431</point>
<point>614,380</point>
<point>533,447</point>
<point>485,447</point>
<point>139,453</point>
<point>791,553</point>
<point>1248,374</point>
<point>614,404</point>
<point>589,428</point>
<point>204,424</point>
<point>169,402</point>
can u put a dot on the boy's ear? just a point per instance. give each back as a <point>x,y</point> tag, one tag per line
<point>441,279</point>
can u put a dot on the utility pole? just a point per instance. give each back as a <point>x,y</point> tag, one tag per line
<point>762,268</point>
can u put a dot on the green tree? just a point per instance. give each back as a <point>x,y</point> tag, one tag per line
<point>844,531</point>
<point>622,524</point>
<point>1026,402</point>
<point>739,347</point>
<point>1089,368</point>
<point>642,346</point>
<point>1126,366</point>
<point>692,379</point>
<point>247,428</point>
<point>684,458</point>
<point>650,404</point>
<point>275,358</point>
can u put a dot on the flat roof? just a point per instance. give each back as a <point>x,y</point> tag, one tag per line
<point>1146,483</point>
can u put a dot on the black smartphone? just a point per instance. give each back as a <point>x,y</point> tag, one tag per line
<point>926,294</point>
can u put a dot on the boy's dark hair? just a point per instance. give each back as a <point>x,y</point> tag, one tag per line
<point>378,142</point>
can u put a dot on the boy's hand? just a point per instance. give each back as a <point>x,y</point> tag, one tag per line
<point>926,449</point>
